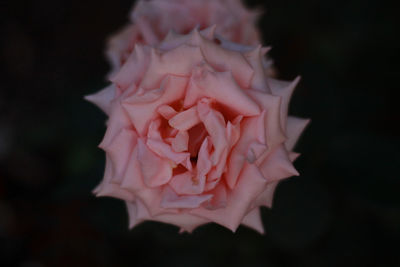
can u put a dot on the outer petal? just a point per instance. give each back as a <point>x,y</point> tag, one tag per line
<point>220,198</point>
<point>174,39</point>
<point>155,170</point>
<point>145,28</point>
<point>284,90</point>
<point>172,200</point>
<point>133,179</point>
<point>186,221</point>
<point>295,126</point>
<point>251,130</point>
<point>274,132</point>
<point>278,165</point>
<point>226,60</point>
<point>250,185</point>
<point>106,188</point>
<point>119,151</point>
<point>266,197</point>
<point>134,183</point>
<point>118,120</point>
<point>253,220</point>
<point>258,82</point>
<point>132,71</point>
<point>103,98</point>
<point>179,61</point>
<point>222,87</point>
<point>137,212</point>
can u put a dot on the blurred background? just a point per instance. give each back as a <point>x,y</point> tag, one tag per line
<point>344,209</point>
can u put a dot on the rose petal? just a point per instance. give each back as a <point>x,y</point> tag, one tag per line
<point>137,212</point>
<point>219,199</point>
<point>156,171</point>
<point>295,126</point>
<point>174,39</point>
<point>113,190</point>
<point>186,184</point>
<point>255,150</point>
<point>254,57</point>
<point>186,221</point>
<point>172,200</point>
<point>293,156</point>
<point>118,120</point>
<point>221,87</point>
<point>120,46</point>
<point>196,137</point>
<point>233,130</point>
<point>173,88</point>
<point>284,90</point>
<point>133,69</point>
<point>150,37</point>
<point>185,120</point>
<point>278,165</point>
<point>119,151</point>
<point>214,123</point>
<point>237,159</point>
<point>167,112</point>
<point>180,142</point>
<point>165,151</point>
<point>179,62</point>
<point>226,60</point>
<point>272,105</point>
<point>253,220</point>
<point>204,163</point>
<point>103,98</point>
<point>133,179</point>
<point>266,197</point>
<point>134,183</point>
<point>106,188</point>
<point>251,183</point>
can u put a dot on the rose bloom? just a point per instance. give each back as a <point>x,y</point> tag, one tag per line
<point>197,133</point>
<point>152,20</point>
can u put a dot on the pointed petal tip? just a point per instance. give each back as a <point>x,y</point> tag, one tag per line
<point>291,170</point>
<point>96,190</point>
<point>296,81</point>
<point>102,145</point>
<point>213,28</point>
<point>265,49</point>
<point>259,229</point>
<point>295,172</point>
<point>183,230</point>
<point>209,32</point>
<point>88,98</point>
<point>92,98</point>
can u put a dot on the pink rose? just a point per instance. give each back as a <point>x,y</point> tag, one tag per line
<point>152,20</point>
<point>197,133</point>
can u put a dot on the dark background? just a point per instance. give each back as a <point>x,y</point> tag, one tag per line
<point>344,209</point>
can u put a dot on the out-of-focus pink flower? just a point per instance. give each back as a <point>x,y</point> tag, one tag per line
<point>197,132</point>
<point>152,20</point>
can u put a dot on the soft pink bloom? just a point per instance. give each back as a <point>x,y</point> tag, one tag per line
<point>197,133</point>
<point>152,20</point>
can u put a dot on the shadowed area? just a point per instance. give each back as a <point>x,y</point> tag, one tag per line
<point>343,210</point>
